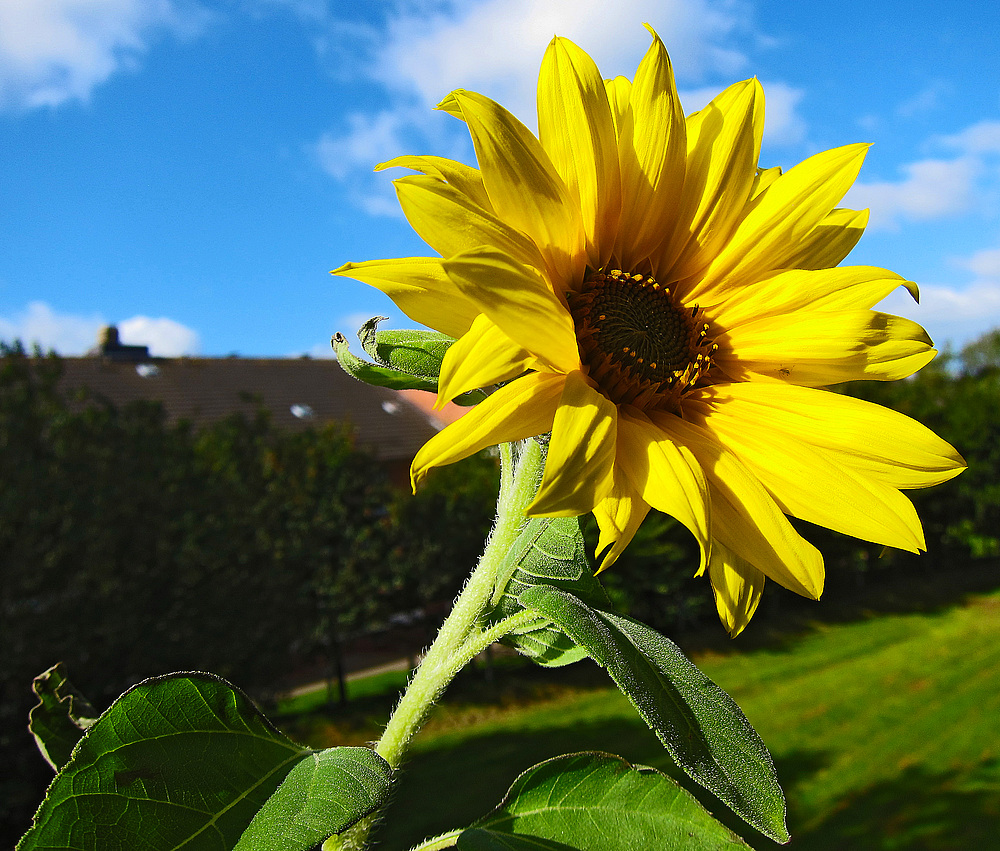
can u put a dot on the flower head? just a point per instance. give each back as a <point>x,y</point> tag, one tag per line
<point>634,284</point>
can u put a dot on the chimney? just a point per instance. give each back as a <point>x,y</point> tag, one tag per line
<point>109,346</point>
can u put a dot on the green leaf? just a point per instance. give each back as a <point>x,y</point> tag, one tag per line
<point>325,793</point>
<point>699,724</point>
<point>184,760</point>
<point>597,802</point>
<point>60,717</point>
<point>477,839</point>
<point>404,360</point>
<point>548,551</point>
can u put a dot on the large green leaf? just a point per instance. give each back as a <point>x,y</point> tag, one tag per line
<point>548,551</point>
<point>597,802</point>
<point>60,717</point>
<point>700,725</point>
<point>181,761</point>
<point>325,793</point>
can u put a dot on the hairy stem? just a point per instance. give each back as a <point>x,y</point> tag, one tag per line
<point>461,637</point>
<point>447,655</point>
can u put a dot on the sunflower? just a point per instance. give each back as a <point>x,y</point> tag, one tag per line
<point>633,284</point>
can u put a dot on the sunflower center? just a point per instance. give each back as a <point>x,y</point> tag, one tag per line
<point>641,347</point>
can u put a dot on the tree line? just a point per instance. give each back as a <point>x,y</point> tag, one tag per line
<point>131,546</point>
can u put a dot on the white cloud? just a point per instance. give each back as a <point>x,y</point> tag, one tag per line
<point>52,51</point>
<point>165,337</point>
<point>980,138</point>
<point>984,264</point>
<point>930,189</point>
<point>495,46</point>
<point>40,325</point>
<point>76,334</point>
<point>427,48</point>
<point>952,315</point>
<point>956,314</point>
<point>935,188</point>
<point>369,139</point>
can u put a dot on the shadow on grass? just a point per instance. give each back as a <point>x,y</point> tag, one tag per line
<point>920,810</point>
<point>453,785</point>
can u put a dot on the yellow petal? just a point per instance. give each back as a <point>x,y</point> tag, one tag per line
<point>876,442</point>
<point>464,178</point>
<point>839,288</point>
<point>764,178</point>
<point>652,144</point>
<point>744,516</point>
<point>782,216</point>
<point>618,91</point>
<point>524,186</point>
<point>619,516</point>
<point>480,358</point>
<point>723,143</point>
<point>830,241</point>
<point>737,586</point>
<point>826,347</point>
<point>666,475</point>
<point>524,408</point>
<point>420,288</point>
<point>450,222</point>
<point>581,452</point>
<point>810,485</point>
<point>577,131</point>
<point>520,303</point>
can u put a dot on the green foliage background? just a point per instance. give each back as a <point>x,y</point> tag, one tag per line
<point>131,547</point>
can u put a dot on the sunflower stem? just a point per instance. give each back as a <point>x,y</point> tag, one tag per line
<point>461,636</point>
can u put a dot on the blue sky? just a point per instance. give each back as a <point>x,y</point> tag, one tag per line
<point>192,169</point>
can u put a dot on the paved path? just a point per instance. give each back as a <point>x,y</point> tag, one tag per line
<point>320,685</point>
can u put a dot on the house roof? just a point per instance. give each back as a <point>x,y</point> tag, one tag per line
<point>298,392</point>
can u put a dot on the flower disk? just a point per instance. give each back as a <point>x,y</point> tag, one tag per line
<point>633,283</point>
<point>638,346</point>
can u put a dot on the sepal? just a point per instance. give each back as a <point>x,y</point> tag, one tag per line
<point>403,360</point>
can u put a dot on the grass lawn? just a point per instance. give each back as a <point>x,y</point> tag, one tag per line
<point>884,732</point>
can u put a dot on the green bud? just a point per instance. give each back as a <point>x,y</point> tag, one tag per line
<point>403,360</point>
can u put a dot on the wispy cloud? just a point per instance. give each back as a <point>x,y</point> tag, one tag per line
<point>165,337</point>
<point>927,99</point>
<point>957,313</point>
<point>494,46</point>
<point>53,51</point>
<point>938,187</point>
<point>426,48</point>
<point>983,264</point>
<point>930,189</point>
<point>75,334</point>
